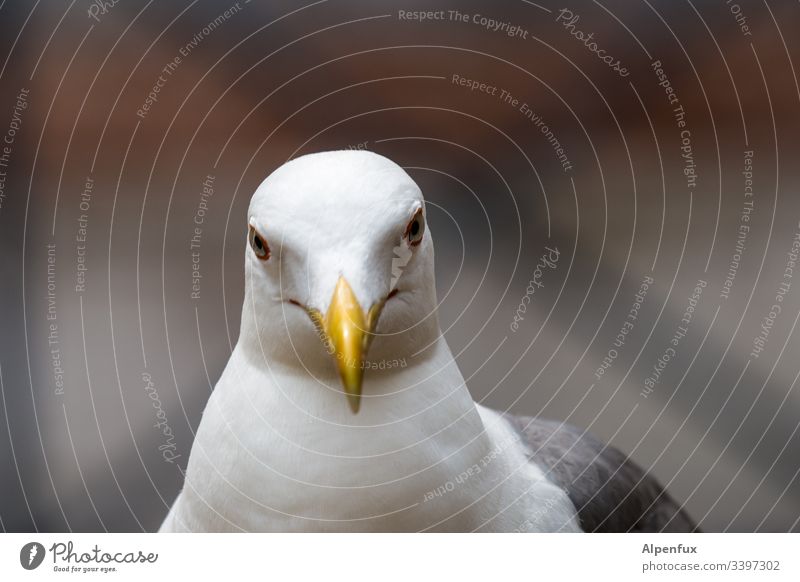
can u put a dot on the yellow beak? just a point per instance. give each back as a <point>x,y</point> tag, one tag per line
<point>348,333</point>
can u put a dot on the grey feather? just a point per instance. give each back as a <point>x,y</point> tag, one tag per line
<point>611,492</point>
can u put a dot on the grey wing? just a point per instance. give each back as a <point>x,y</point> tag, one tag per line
<point>611,492</point>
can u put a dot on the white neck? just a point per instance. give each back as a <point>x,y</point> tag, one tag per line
<point>413,459</point>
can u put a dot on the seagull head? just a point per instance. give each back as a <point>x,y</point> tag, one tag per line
<point>339,263</point>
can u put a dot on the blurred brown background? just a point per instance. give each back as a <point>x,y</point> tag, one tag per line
<point>260,82</point>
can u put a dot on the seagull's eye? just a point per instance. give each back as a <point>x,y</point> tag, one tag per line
<point>415,229</point>
<point>258,244</point>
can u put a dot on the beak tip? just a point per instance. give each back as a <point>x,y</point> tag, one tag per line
<point>354,400</point>
<point>352,389</point>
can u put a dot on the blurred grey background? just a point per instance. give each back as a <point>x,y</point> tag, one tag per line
<point>98,317</point>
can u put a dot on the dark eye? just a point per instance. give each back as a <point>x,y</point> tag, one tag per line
<point>258,244</point>
<point>415,229</point>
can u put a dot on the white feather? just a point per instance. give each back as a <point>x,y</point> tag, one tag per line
<point>278,449</point>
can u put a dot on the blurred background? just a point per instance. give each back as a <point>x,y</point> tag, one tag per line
<point>653,144</point>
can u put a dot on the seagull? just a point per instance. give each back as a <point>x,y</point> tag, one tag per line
<point>342,408</point>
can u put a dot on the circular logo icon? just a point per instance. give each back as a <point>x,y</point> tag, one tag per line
<point>31,555</point>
